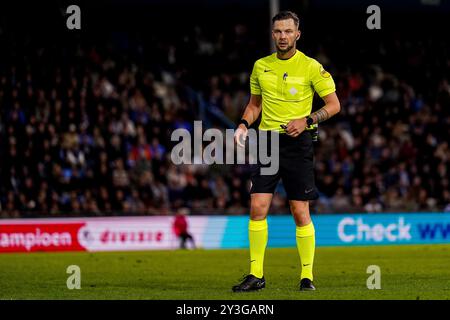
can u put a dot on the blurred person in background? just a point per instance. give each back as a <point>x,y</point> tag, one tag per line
<point>180,228</point>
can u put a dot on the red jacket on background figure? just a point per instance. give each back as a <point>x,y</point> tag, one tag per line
<point>180,228</point>
<point>180,225</point>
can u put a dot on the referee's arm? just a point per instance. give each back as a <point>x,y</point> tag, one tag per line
<point>251,114</point>
<point>332,106</point>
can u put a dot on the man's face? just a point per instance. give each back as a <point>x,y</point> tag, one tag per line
<point>285,34</point>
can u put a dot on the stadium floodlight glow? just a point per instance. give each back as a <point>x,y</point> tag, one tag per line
<point>258,145</point>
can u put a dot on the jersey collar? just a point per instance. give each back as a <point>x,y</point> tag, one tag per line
<point>287,60</point>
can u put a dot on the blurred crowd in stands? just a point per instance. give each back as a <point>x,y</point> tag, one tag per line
<point>85,130</point>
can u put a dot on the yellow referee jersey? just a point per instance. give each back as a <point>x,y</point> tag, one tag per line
<point>287,87</point>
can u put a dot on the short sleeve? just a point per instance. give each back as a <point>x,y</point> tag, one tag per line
<point>254,82</point>
<point>321,80</point>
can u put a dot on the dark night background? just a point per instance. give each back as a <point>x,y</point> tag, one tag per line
<point>163,64</point>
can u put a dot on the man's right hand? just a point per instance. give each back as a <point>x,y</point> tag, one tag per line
<point>241,133</point>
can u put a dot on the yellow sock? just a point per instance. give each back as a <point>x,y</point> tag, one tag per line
<point>257,235</point>
<point>306,245</point>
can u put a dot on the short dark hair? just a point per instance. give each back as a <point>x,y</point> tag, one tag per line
<point>284,15</point>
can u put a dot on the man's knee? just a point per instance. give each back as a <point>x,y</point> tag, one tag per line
<point>259,208</point>
<point>299,206</point>
<point>300,211</point>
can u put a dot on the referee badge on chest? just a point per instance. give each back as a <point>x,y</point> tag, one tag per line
<point>293,91</point>
<point>293,88</point>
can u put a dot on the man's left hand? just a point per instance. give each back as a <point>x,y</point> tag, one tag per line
<point>296,127</point>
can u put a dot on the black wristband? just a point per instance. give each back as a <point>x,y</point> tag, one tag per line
<point>244,122</point>
<point>309,121</point>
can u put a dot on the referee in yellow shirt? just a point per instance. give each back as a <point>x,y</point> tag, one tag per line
<point>282,88</point>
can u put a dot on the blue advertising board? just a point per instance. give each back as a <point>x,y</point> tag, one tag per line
<point>351,229</point>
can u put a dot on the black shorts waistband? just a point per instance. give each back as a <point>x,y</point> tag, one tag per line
<point>284,139</point>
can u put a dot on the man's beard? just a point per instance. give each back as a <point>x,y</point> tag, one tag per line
<point>288,48</point>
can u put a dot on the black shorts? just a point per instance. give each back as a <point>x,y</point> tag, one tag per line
<point>296,169</point>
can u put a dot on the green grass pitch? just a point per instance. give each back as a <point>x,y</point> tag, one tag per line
<point>407,272</point>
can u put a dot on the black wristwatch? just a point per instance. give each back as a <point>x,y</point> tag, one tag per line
<point>309,121</point>
<point>244,122</point>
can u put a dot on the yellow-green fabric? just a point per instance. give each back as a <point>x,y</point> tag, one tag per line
<point>258,235</point>
<point>306,246</point>
<point>287,87</point>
